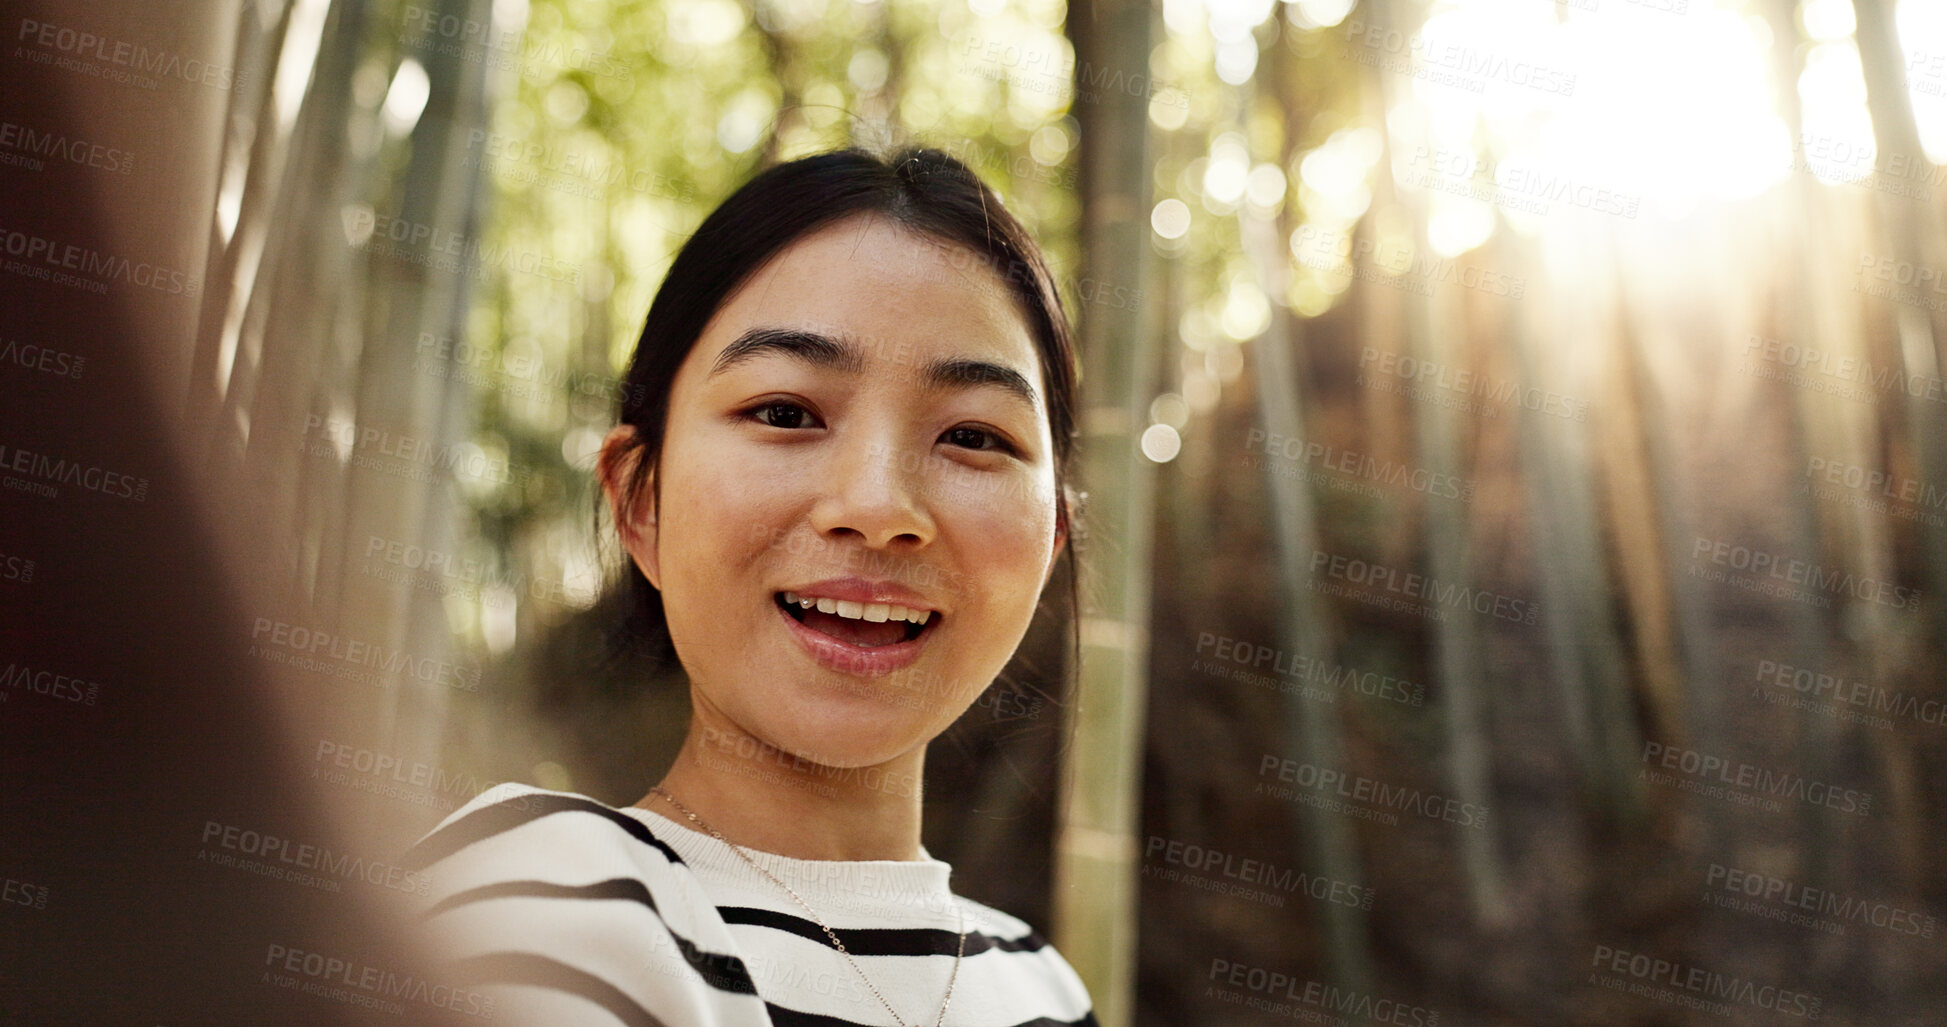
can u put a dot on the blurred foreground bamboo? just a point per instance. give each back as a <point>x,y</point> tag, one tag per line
<point>1095,872</point>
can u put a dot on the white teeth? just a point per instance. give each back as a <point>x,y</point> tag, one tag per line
<point>873,612</point>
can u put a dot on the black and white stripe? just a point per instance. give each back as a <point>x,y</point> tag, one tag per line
<point>572,912</point>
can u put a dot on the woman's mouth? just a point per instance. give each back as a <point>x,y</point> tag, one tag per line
<point>864,625</point>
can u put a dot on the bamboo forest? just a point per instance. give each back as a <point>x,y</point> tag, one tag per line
<point>1512,553</point>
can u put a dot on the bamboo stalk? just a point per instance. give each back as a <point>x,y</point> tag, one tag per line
<point>1584,651</point>
<point>1430,325</point>
<point>1310,729</point>
<point>1095,859</point>
<point>1897,648</point>
<point>1429,329</point>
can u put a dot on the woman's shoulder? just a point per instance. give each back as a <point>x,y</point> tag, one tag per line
<point>563,907</point>
<point>515,831</point>
<point>518,840</point>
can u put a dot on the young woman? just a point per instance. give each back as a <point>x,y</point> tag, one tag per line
<point>839,478</point>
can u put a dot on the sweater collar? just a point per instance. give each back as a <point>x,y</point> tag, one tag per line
<point>879,890</point>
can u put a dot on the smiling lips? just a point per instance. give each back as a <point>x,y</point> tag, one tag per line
<point>862,624</point>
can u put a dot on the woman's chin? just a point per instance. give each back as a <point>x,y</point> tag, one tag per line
<point>840,740</point>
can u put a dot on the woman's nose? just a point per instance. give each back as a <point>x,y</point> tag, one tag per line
<point>874,488</point>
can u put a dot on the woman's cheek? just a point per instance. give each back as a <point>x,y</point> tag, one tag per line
<point>1003,529</point>
<point>1017,507</point>
<point>733,502</point>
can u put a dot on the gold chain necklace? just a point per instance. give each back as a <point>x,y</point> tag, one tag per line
<point>829,933</point>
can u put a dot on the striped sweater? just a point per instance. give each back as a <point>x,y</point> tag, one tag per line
<point>569,912</point>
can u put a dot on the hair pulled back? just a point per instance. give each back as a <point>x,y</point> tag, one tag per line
<point>924,190</point>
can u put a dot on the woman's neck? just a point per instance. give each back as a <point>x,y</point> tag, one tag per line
<point>763,798</point>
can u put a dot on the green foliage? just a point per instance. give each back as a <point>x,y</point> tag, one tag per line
<point>620,127</point>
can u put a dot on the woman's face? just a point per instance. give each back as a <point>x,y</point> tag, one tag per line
<point>862,425</point>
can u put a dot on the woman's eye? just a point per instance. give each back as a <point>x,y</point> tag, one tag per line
<point>782,415</point>
<point>973,438</point>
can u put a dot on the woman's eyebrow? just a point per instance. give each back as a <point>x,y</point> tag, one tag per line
<point>810,347</point>
<point>840,354</point>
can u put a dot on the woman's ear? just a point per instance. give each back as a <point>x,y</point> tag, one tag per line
<point>1073,520</point>
<point>1069,508</point>
<point>632,504</point>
